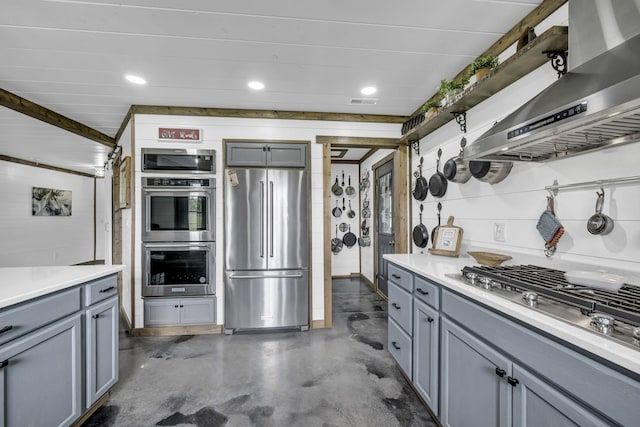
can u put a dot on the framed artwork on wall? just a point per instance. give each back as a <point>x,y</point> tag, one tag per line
<point>125,183</point>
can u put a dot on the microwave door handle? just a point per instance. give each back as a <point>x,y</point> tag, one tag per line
<point>271,219</point>
<point>262,219</point>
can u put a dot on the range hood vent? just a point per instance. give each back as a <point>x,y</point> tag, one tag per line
<point>592,107</point>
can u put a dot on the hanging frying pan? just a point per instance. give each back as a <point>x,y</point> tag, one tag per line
<point>336,189</point>
<point>437,182</point>
<point>420,233</point>
<point>433,230</point>
<point>351,213</point>
<point>364,185</point>
<point>336,212</point>
<point>421,188</point>
<point>349,239</point>
<point>343,226</point>
<point>336,244</point>
<point>365,202</point>
<point>350,190</point>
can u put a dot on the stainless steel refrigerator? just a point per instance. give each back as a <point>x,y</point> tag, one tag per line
<point>266,249</point>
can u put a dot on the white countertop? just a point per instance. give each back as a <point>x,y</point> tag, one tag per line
<point>19,284</point>
<point>435,267</point>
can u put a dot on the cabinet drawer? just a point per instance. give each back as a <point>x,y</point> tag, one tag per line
<point>100,289</point>
<point>399,344</point>
<point>400,277</point>
<point>401,307</point>
<point>27,317</point>
<point>427,292</point>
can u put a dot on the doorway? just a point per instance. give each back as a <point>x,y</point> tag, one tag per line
<point>384,218</point>
<point>399,182</point>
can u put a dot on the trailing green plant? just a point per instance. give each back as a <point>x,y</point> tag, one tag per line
<point>429,105</point>
<point>484,62</point>
<point>449,85</point>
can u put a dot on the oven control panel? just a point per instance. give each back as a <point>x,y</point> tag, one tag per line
<point>179,182</point>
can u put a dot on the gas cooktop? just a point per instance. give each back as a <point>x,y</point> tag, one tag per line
<point>614,314</point>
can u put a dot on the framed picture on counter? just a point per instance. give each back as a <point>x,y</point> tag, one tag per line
<point>125,183</point>
<point>447,240</point>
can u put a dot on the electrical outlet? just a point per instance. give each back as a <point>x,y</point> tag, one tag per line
<point>499,232</point>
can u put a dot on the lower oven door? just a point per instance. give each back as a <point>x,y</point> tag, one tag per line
<point>178,269</point>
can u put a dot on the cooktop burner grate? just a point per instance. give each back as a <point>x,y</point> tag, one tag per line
<point>623,304</point>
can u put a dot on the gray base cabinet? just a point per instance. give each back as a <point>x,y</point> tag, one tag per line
<point>41,376</point>
<point>426,342</point>
<point>179,312</point>
<point>473,392</point>
<point>101,326</point>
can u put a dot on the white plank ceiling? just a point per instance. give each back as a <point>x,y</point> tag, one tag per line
<point>71,57</point>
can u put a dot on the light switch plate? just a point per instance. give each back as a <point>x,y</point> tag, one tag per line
<point>499,232</point>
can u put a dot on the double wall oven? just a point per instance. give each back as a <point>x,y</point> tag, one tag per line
<point>178,232</point>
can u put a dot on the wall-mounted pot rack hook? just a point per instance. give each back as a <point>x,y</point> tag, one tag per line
<point>461,119</point>
<point>555,187</point>
<point>416,146</point>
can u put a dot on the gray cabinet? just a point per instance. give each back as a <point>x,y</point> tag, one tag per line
<point>473,390</point>
<point>400,326</point>
<point>179,312</point>
<point>101,347</point>
<point>271,154</point>
<point>426,334</point>
<point>40,376</point>
<point>537,404</point>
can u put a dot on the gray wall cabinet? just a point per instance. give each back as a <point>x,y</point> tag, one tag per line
<point>475,366</point>
<point>179,312</point>
<point>43,354</point>
<point>272,154</point>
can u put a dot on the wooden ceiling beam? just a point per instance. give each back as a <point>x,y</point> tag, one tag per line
<point>265,114</point>
<point>537,15</point>
<point>31,109</point>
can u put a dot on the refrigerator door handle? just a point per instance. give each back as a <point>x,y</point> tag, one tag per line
<point>262,219</point>
<point>275,276</point>
<point>271,219</point>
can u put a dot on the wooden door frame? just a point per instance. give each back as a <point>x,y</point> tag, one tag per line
<point>374,198</point>
<point>400,179</point>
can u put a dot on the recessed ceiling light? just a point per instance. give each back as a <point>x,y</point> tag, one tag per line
<point>256,85</point>
<point>135,79</point>
<point>369,90</point>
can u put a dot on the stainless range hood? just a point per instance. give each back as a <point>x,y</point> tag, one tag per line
<point>592,107</point>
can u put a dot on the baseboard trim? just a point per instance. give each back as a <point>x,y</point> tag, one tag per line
<point>168,331</point>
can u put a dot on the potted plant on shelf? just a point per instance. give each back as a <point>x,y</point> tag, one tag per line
<point>452,88</point>
<point>430,108</point>
<point>482,65</point>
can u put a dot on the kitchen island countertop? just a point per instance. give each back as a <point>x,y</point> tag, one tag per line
<point>437,268</point>
<point>19,284</point>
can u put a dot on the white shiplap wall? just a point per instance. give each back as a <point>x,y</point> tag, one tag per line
<point>346,261</point>
<point>29,240</point>
<point>215,129</point>
<point>519,200</point>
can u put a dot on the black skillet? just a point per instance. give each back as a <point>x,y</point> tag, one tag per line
<point>433,230</point>
<point>437,182</point>
<point>422,187</point>
<point>336,189</point>
<point>349,238</point>
<point>420,232</point>
<point>337,212</point>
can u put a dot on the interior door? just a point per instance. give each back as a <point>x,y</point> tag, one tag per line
<point>385,237</point>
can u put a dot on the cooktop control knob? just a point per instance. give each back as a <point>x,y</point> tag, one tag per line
<point>603,323</point>
<point>531,298</point>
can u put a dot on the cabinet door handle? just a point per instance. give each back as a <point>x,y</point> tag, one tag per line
<point>500,372</point>
<point>181,306</point>
<point>175,306</point>
<point>513,381</point>
<point>395,276</point>
<point>396,346</point>
<point>110,288</point>
<point>95,316</point>
<point>429,319</point>
<point>6,329</point>
<point>423,292</point>
<point>396,306</point>
<point>4,363</point>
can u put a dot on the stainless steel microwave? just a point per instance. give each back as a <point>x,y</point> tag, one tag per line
<point>178,160</point>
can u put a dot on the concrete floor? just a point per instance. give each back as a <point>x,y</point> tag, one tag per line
<point>324,377</point>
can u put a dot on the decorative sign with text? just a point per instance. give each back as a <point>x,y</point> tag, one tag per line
<point>179,134</point>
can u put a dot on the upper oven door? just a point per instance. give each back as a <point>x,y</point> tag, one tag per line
<point>178,160</point>
<point>178,215</point>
